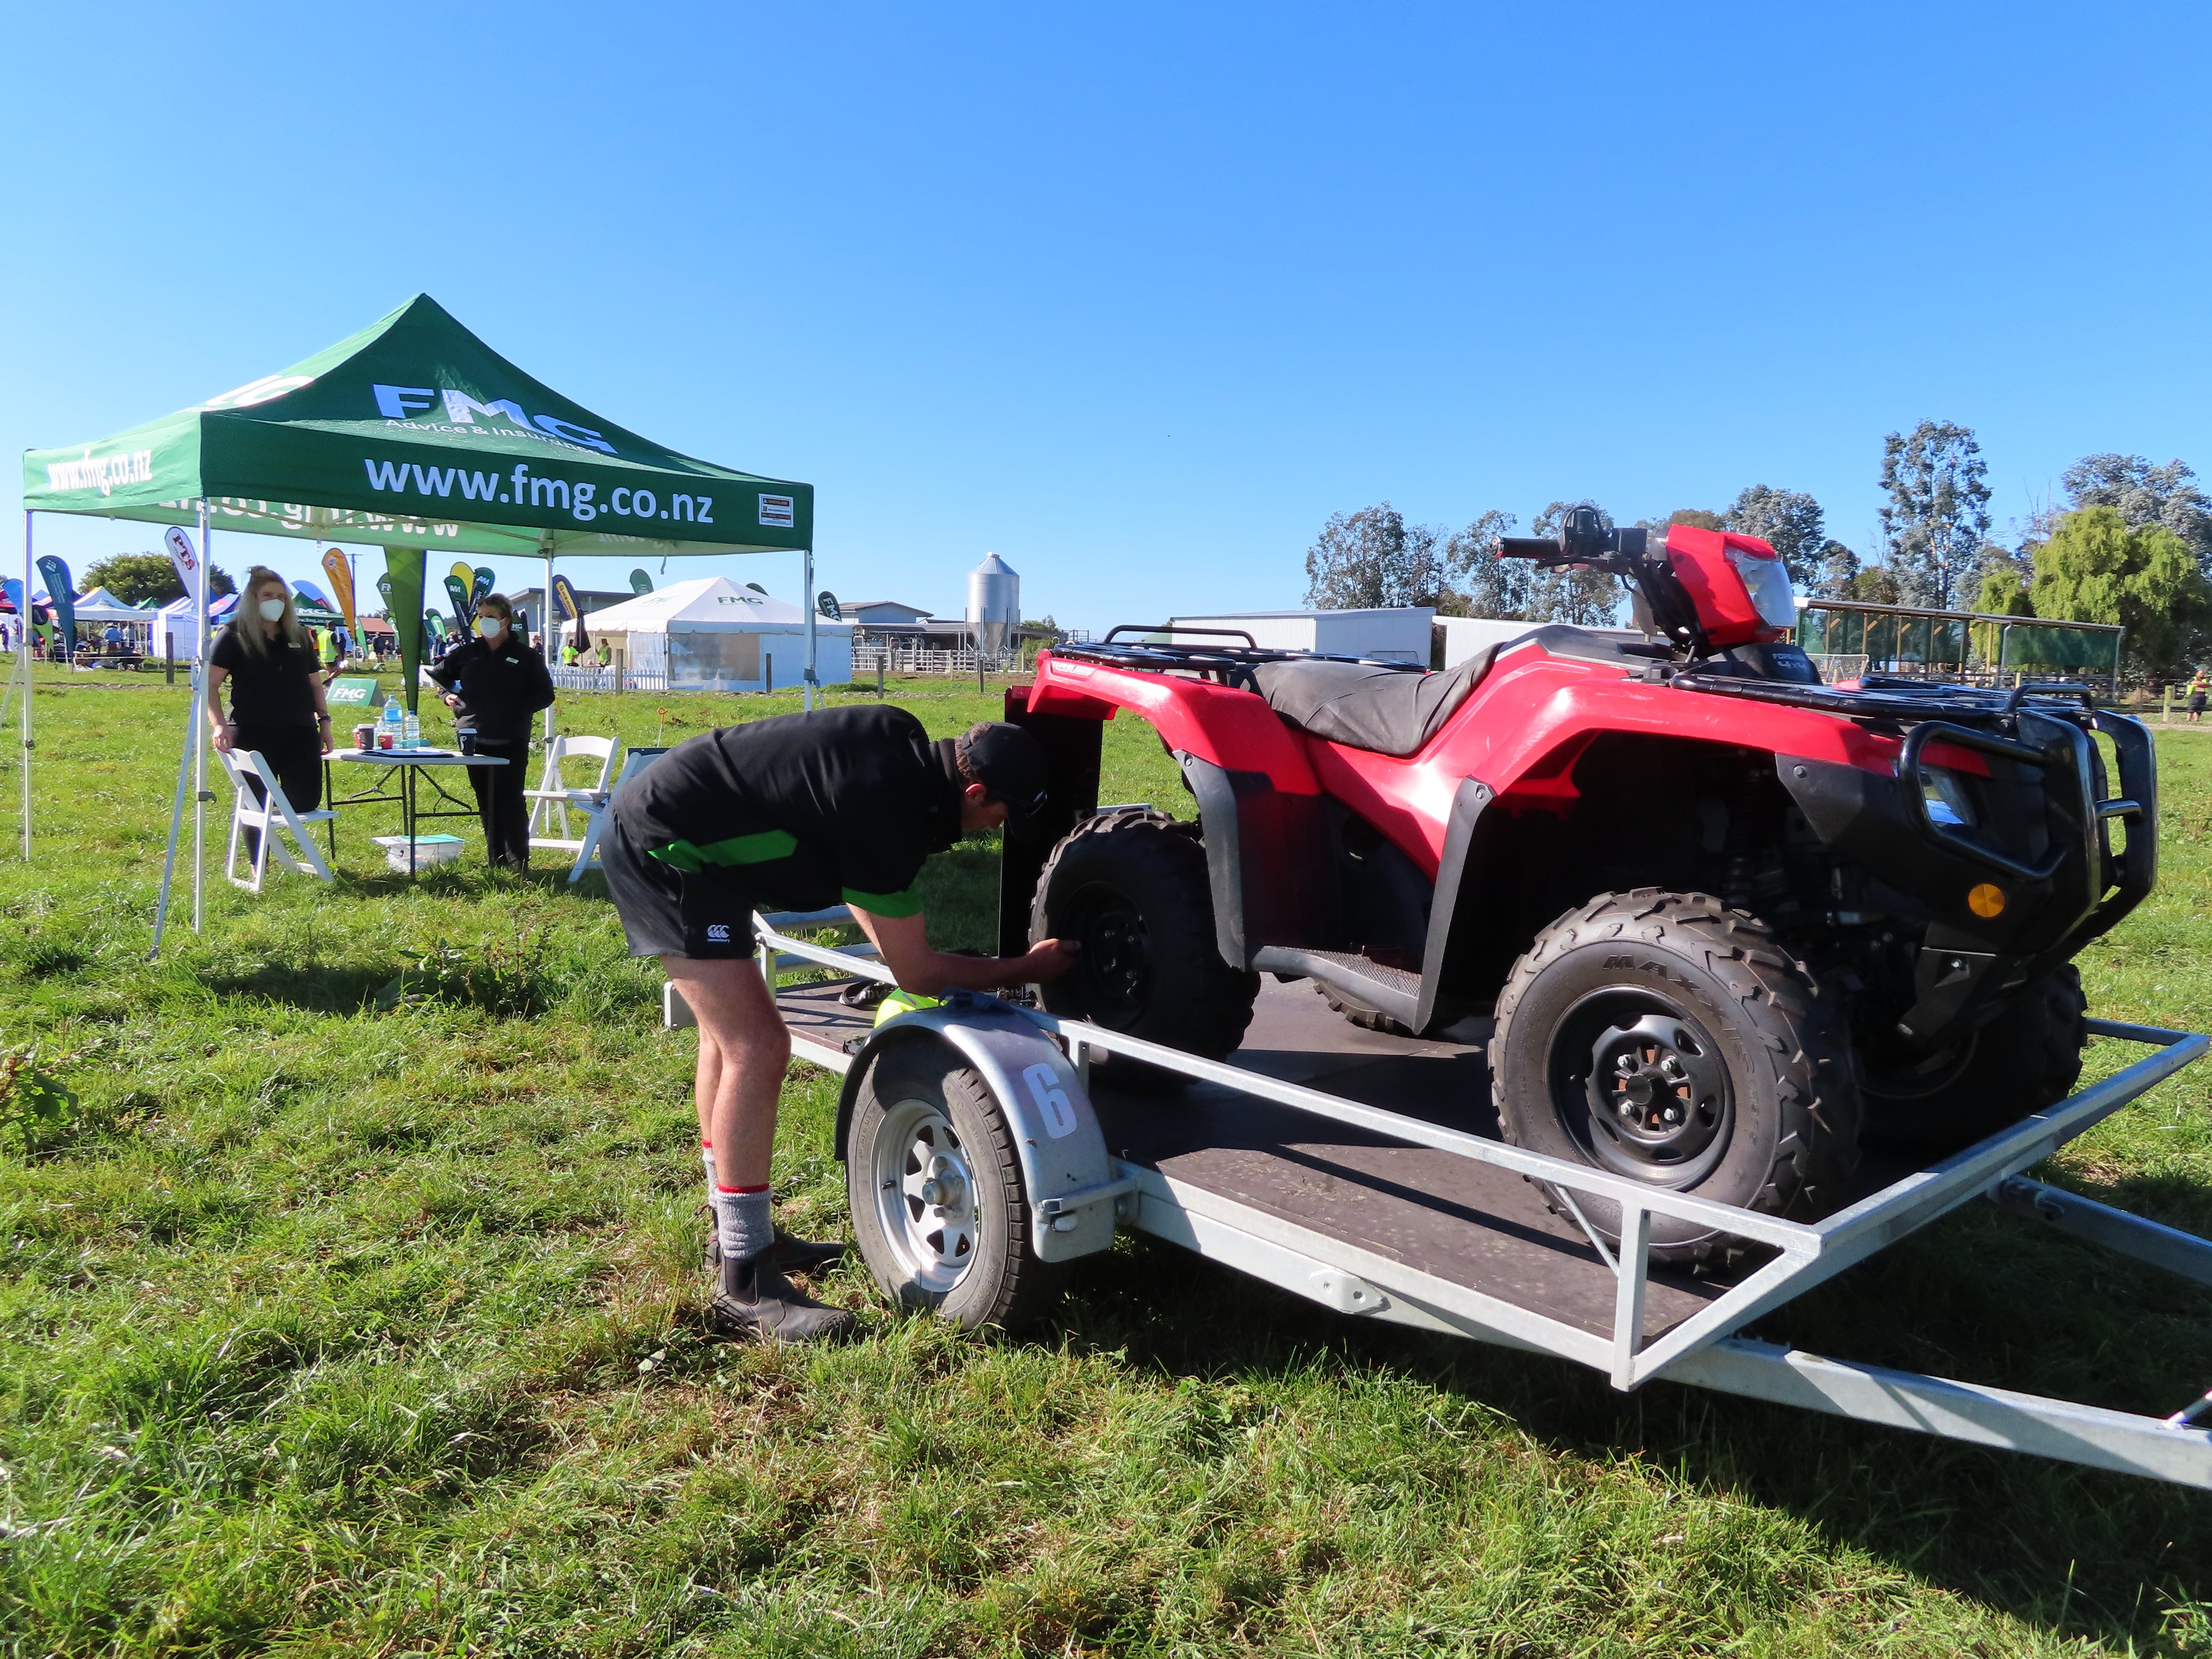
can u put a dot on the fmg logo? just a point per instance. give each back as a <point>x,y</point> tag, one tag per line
<point>402,403</point>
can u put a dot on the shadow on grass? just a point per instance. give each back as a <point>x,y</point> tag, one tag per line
<point>2073,1551</point>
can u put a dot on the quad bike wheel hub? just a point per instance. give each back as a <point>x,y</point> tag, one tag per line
<point>1658,1094</point>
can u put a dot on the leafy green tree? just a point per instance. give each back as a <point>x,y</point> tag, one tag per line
<point>136,578</point>
<point>1788,520</point>
<point>2145,494</point>
<point>1372,560</point>
<point>1697,517</point>
<point>2097,568</point>
<point>1874,584</point>
<point>1835,571</point>
<point>1483,584</point>
<point>1938,514</point>
<point>2004,591</point>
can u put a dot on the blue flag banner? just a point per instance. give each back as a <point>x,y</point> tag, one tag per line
<point>61,592</point>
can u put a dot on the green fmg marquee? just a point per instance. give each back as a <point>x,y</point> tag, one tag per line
<point>415,435</point>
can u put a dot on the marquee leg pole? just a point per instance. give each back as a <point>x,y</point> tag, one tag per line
<point>806,591</point>
<point>24,651</point>
<point>199,728</point>
<point>192,717</point>
<point>546,632</point>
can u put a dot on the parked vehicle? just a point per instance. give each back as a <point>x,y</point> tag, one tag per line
<point>1727,920</point>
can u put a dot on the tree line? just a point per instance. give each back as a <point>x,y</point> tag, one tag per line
<point>2132,545</point>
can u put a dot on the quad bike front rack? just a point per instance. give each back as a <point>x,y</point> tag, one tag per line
<point>1389,1214</point>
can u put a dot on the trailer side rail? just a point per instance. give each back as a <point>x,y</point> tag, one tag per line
<point>1703,1349</point>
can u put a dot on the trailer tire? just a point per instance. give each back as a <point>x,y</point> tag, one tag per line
<point>1673,996</point>
<point>1130,888</point>
<point>2027,1058</point>
<point>921,1115</point>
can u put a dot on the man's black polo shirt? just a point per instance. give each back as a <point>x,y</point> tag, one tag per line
<point>806,810</point>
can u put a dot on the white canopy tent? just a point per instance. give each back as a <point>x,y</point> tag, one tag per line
<point>710,635</point>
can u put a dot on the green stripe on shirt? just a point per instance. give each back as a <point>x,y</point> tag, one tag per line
<point>761,847</point>
<point>895,906</point>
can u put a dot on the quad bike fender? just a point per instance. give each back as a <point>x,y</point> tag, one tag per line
<point>1217,723</point>
<point>1070,1179</point>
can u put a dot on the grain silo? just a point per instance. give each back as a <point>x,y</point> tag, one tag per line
<point>994,606</point>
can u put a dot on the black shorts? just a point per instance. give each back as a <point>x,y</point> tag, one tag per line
<point>667,912</point>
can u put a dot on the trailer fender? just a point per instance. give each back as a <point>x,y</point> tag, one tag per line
<point>1071,1181</point>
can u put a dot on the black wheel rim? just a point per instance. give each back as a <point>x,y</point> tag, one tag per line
<point>1642,1087</point>
<point>1116,961</point>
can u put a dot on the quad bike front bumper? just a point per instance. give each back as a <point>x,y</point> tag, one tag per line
<point>2009,887</point>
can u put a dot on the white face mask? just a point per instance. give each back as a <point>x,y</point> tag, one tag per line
<point>490,628</point>
<point>272,610</point>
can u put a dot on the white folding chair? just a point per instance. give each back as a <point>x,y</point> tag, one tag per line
<point>271,815</point>
<point>595,817</point>
<point>555,795</point>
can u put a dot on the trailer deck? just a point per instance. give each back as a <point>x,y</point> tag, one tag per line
<point>1362,1171</point>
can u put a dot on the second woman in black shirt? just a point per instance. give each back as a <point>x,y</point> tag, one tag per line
<point>494,684</point>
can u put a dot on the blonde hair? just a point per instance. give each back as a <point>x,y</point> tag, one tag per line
<point>245,621</point>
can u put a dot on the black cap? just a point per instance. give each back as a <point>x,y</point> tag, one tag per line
<point>1009,763</point>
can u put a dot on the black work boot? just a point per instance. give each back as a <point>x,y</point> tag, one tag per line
<point>791,1255</point>
<point>758,1303</point>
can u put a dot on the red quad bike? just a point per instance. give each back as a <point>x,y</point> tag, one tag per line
<point>1726,919</point>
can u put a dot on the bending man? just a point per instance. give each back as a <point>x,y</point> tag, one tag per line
<point>798,812</point>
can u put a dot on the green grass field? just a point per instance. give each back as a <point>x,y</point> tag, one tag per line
<point>355,1308</point>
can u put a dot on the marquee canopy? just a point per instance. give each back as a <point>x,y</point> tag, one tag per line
<point>414,432</point>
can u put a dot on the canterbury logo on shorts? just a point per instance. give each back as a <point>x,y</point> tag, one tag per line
<point>718,933</point>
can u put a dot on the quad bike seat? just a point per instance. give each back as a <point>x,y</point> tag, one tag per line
<point>1395,711</point>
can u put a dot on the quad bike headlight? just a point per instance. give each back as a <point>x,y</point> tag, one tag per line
<point>1768,583</point>
<point>1948,800</point>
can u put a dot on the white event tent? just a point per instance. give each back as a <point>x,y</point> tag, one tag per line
<point>710,635</point>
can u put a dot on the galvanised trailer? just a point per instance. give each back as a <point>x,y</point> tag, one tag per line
<point>1348,1166</point>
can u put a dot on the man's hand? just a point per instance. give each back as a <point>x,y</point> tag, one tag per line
<point>451,699</point>
<point>1048,959</point>
<point>903,942</point>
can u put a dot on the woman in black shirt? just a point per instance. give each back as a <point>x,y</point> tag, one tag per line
<point>494,683</point>
<point>276,706</point>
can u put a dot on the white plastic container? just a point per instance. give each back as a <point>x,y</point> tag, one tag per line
<point>428,850</point>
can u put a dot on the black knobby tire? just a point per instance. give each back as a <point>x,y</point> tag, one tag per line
<point>919,1093</point>
<point>1718,1024</point>
<point>2027,1058</point>
<point>1131,889</point>
<point>1359,1014</point>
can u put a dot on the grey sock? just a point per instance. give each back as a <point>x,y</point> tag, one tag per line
<point>743,1222</point>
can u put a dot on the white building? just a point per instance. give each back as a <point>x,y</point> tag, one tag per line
<point>1401,635</point>
<point>710,635</point>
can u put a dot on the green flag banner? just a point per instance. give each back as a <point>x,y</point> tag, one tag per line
<point>402,585</point>
<point>415,433</point>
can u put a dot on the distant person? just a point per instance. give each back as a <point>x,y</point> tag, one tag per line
<point>326,642</point>
<point>494,684</point>
<point>568,654</point>
<point>604,656</point>
<point>2197,688</point>
<point>276,706</point>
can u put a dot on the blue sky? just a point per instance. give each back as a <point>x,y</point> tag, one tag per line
<point>1136,296</point>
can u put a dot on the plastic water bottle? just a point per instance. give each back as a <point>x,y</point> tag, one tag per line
<point>411,735</point>
<point>388,721</point>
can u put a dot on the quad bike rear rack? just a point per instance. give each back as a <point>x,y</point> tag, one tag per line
<point>1273,1163</point>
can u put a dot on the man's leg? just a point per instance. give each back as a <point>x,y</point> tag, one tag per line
<point>744,1051</point>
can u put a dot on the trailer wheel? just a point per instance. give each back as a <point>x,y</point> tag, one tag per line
<point>1359,1014</point>
<point>938,1206</point>
<point>1130,888</point>
<point>1666,1038</point>
<point>2028,1058</point>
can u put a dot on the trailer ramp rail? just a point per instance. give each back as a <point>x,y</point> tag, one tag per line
<point>1704,1349</point>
